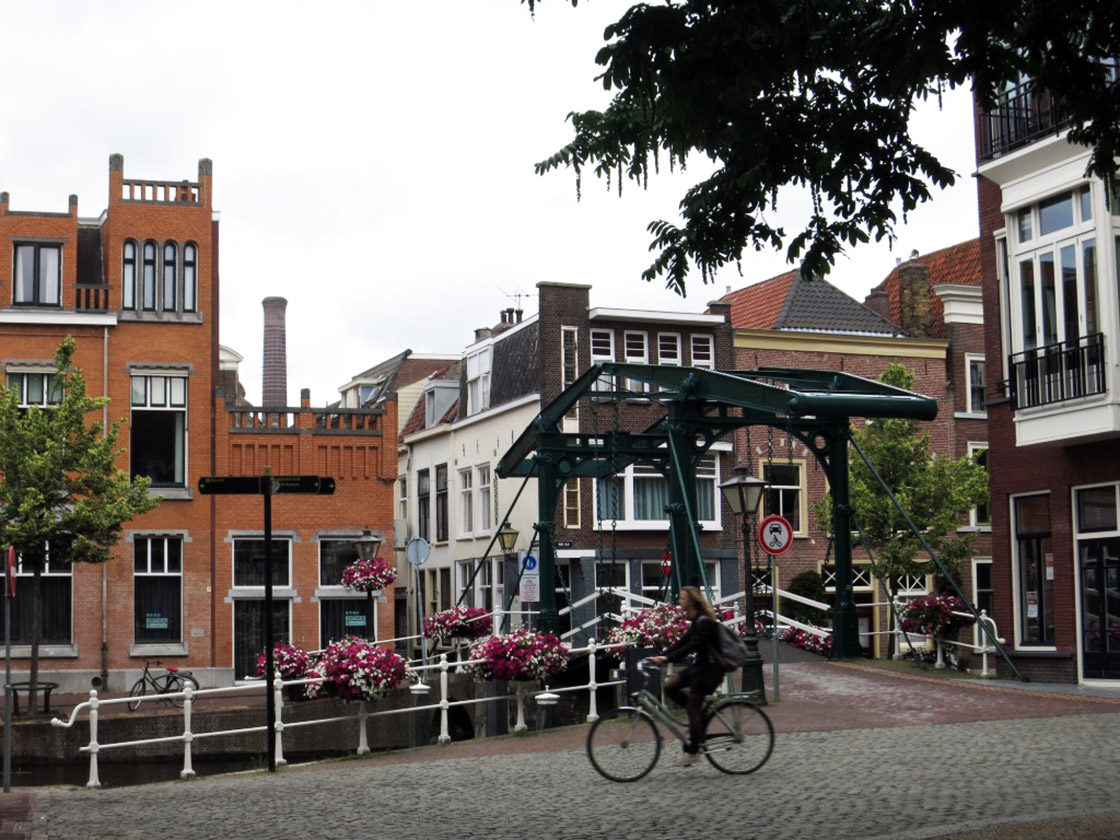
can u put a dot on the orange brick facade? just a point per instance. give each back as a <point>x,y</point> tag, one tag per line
<point>177,337</point>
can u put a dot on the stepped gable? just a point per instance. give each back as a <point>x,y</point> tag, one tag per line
<point>790,302</point>
<point>957,264</point>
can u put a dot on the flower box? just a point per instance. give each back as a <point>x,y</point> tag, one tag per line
<point>656,627</point>
<point>356,669</point>
<point>933,615</point>
<point>368,575</point>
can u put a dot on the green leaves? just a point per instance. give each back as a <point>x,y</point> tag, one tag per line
<point>60,483</point>
<point>818,94</point>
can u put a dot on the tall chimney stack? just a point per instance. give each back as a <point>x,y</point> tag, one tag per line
<point>275,368</point>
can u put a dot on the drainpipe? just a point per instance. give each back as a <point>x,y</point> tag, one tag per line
<point>104,566</point>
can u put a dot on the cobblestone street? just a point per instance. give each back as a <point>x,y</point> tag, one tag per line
<point>929,772</point>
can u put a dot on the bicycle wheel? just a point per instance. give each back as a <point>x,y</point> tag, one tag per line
<point>138,689</point>
<point>739,737</point>
<point>623,745</point>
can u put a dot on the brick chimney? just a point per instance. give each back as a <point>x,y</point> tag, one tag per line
<point>913,298</point>
<point>275,385</point>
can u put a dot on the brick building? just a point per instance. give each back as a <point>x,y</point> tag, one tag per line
<point>138,289</point>
<point>926,316</point>
<point>1049,242</point>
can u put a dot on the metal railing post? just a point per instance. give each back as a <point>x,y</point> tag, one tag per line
<point>94,780</point>
<point>188,736</point>
<point>278,705</point>
<point>444,733</point>
<point>592,685</point>
<point>363,741</point>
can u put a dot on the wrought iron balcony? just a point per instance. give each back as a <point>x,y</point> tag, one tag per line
<point>1058,372</point>
<point>1023,116</point>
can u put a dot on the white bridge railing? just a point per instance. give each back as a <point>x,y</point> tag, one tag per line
<point>438,671</point>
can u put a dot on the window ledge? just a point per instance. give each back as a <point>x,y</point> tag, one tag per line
<point>974,529</point>
<point>62,651</point>
<point>161,649</point>
<point>1043,653</point>
<point>340,593</point>
<point>256,593</point>
<point>970,415</point>
<point>179,494</point>
<point>161,317</point>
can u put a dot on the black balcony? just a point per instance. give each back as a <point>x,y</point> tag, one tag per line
<point>1058,372</point>
<point>1023,116</point>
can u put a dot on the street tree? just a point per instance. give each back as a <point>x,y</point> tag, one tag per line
<point>62,497</point>
<point>818,94</point>
<point>935,490</point>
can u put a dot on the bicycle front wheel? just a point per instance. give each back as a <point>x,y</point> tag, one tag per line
<point>137,692</point>
<point>623,745</point>
<point>739,737</point>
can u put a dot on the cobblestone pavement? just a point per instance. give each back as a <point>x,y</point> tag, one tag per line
<point>938,760</point>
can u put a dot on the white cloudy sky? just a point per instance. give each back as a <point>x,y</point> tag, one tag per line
<point>373,161</point>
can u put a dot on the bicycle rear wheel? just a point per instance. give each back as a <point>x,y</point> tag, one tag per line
<point>138,689</point>
<point>623,745</point>
<point>176,683</point>
<point>739,737</point>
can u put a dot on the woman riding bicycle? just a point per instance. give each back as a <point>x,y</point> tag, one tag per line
<point>702,676</point>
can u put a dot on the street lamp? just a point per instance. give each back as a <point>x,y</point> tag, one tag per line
<point>507,539</point>
<point>367,547</point>
<point>743,493</point>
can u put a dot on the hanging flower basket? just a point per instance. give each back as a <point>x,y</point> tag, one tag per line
<point>522,655</point>
<point>656,627</point>
<point>932,615</point>
<point>458,622</point>
<point>368,575</point>
<point>356,669</point>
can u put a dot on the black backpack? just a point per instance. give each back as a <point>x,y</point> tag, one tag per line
<point>728,650</point>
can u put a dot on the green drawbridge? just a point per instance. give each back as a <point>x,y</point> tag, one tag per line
<point>703,407</point>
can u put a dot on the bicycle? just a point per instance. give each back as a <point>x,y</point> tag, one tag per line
<point>624,745</point>
<point>173,682</point>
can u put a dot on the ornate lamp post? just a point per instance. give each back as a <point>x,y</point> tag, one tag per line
<point>367,547</point>
<point>507,539</point>
<point>743,493</point>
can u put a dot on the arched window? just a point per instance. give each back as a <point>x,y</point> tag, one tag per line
<point>128,276</point>
<point>148,293</point>
<point>169,267</point>
<point>190,277</point>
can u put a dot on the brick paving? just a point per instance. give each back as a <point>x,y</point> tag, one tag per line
<point>860,753</point>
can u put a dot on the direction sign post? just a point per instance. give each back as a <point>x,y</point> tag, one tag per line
<point>267,486</point>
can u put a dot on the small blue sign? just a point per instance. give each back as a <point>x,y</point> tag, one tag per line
<point>529,564</point>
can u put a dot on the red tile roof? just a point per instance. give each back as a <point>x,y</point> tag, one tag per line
<point>958,264</point>
<point>757,307</point>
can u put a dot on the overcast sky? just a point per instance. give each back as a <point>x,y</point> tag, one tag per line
<point>373,162</point>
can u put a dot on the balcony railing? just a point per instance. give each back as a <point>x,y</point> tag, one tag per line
<point>1058,372</point>
<point>1023,115</point>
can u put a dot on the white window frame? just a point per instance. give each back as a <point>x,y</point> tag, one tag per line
<point>257,591</point>
<point>466,502</point>
<point>484,488</point>
<point>164,391</point>
<point>1017,605</point>
<point>670,342</point>
<point>42,295</point>
<point>702,352</point>
<point>599,338</point>
<point>478,381</point>
<point>627,520</point>
<point>975,362</point>
<point>802,493</point>
<point>150,572</point>
<point>18,379</point>
<point>975,446</point>
<point>979,637</point>
<point>631,339</point>
<point>572,499</point>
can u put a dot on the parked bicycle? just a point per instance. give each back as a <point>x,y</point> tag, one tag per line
<point>625,744</point>
<point>174,682</point>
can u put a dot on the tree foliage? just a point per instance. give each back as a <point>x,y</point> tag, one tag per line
<point>936,491</point>
<point>60,489</point>
<point>60,484</point>
<point>819,94</point>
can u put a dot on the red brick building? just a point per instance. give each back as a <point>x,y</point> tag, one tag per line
<point>138,289</point>
<point>1049,238</point>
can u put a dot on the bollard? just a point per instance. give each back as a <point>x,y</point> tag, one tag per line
<point>418,721</point>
